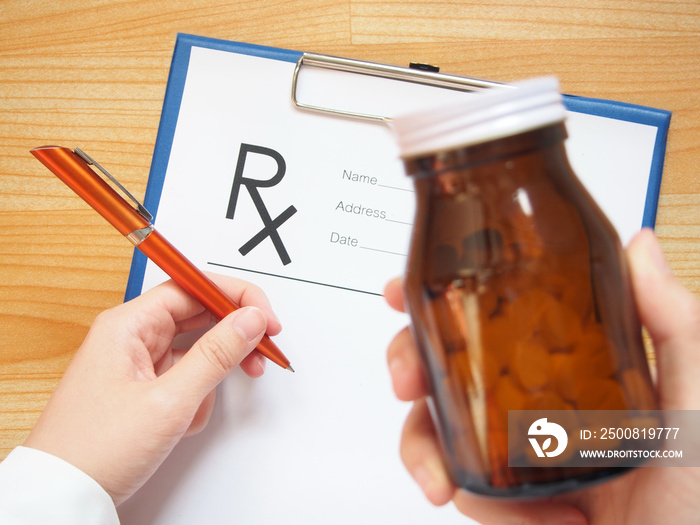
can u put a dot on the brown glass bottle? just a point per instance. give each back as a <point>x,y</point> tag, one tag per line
<point>520,299</point>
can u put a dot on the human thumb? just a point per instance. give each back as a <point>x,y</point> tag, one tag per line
<point>218,352</point>
<point>671,315</point>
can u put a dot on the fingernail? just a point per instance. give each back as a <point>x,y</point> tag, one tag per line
<point>261,361</point>
<point>249,322</point>
<point>437,470</point>
<point>396,365</point>
<point>422,477</point>
<point>431,474</point>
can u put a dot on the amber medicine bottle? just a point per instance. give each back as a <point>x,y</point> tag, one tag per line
<point>516,284</point>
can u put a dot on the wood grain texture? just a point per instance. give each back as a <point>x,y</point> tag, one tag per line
<point>422,21</point>
<point>92,73</point>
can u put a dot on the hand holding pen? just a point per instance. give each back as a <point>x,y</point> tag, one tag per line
<point>128,396</point>
<point>73,168</point>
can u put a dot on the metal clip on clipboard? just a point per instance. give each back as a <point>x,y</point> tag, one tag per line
<point>349,65</point>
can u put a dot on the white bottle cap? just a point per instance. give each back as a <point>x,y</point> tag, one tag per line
<point>481,117</point>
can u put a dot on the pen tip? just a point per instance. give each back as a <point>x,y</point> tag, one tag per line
<point>290,368</point>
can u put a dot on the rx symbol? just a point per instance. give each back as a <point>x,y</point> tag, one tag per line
<point>270,225</point>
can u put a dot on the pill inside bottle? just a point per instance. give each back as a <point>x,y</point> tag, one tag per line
<point>517,288</point>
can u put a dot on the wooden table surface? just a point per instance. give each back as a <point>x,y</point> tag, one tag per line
<point>93,75</point>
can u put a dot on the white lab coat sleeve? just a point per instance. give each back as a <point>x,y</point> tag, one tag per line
<point>38,488</point>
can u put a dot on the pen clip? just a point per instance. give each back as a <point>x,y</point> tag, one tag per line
<point>139,207</point>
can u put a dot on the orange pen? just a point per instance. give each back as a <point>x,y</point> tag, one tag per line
<point>73,168</point>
